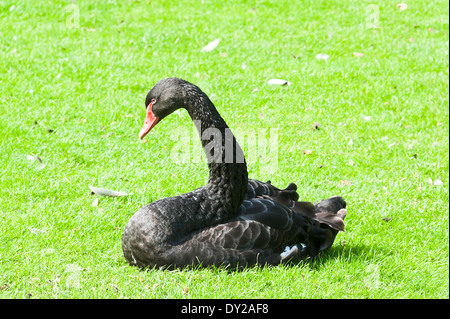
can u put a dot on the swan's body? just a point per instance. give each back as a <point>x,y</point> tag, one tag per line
<point>231,221</point>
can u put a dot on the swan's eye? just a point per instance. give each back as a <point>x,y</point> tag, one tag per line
<point>153,101</point>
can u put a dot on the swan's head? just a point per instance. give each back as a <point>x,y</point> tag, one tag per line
<point>164,98</point>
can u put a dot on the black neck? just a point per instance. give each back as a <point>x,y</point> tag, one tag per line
<point>228,176</point>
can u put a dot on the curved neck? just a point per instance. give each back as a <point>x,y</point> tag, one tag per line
<point>228,176</point>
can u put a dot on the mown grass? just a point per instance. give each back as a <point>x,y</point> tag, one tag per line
<point>74,97</point>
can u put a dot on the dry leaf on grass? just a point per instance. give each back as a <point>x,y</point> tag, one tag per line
<point>278,82</point>
<point>437,182</point>
<point>307,152</point>
<point>107,192</point>
<point>33,158</point>
<point>322,56</point>
<point>211,45</point>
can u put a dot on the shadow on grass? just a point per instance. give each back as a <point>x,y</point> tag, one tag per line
<point>348,253</point>
<point>343,253</point>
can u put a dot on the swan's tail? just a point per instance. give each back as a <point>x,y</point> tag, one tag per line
<point>330,213</point>
<point>327,216</point>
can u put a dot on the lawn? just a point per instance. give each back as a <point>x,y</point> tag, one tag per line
<point>365,116</point>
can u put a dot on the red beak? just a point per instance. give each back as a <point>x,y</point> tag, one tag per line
<point>149,123</point>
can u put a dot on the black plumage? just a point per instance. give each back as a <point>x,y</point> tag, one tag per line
<point>231,221</point>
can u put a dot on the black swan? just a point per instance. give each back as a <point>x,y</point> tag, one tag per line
<point>232,221</point>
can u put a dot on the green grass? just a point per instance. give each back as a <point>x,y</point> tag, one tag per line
<point>74,97</point>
